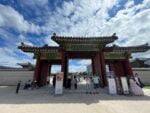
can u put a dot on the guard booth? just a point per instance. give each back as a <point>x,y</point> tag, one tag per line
<point>94,48</point>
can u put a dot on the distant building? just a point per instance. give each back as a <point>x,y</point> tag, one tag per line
<point>11,75</point>
<point>89,69</point>
<point>140,62</point>
<point>27,65</point>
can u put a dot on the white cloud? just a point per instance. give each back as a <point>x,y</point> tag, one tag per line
<point>84,62</point>
<point>7,36</point>
<point>129,4</point>
<point>9,58</point>
<point>81,67</point>
<point>35,2</point>
<point>55,68</point>
<point>74,68</point>
<point>68,8</point>
<point>23,39</point>
<point>131,24</point>
<point>10,18</point>
<point>88,18</point>
<point>49,41</point>
<point>78,65</point>
<point>79,17</point>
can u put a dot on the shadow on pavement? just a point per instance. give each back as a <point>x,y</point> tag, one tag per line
<point>45,95</point>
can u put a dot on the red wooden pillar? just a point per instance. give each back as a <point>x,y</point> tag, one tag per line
<point>64,67</point>
<point>44,73</point>
<point>49,70</point>
<point>119,68</point>
<point>37,70</point>
<point>128,67</point>
<point>93,66</point>
<point>103,69</point>
<point>49,73</point>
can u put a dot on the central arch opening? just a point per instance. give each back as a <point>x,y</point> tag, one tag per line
<point>80,71</point>
<point>78,65</point>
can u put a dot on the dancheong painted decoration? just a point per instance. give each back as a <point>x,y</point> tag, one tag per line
<point>94,48</point>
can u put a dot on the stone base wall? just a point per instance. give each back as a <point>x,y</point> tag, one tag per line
<point>144,74</point>
<point>12,77</point>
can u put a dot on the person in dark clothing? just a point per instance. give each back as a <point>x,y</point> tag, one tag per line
<point>75,82</point>
<point>54,81</point>
<point>34,85</point>
<point>138,81</point>
<point>18,87</point>
<point>69,82</point>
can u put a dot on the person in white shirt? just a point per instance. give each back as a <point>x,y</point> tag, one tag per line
<point>75,82</point>
<point>96,81</point>
<point>89,85</point>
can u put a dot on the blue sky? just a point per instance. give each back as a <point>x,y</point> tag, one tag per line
<point>34,21</point>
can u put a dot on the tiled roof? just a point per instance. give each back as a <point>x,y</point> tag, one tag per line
<point>71,39</point>
<point>132,49</point>
<point>33,49</point>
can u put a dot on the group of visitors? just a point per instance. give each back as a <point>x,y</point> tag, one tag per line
<point>28,85</point>
<point>92,84</point>
<point>135,83</point>
<point>31,85</point>
<point>71,80</point>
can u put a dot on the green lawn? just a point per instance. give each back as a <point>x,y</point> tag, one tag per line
<point>147,87</point>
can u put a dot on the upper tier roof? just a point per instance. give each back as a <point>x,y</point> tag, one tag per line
<point>86,40</point>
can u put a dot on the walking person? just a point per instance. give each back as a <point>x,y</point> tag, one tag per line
<point>88,85</point>
<point>54,81</point>
<point>138,81</point>
<point>18,87</point>
<point>69,82</point>
<point>96,83</point>
<point>75,82</point>
<point>34,85</point>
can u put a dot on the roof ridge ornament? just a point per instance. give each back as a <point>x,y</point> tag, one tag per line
<point>144,45</point>
<point>54,34</point>
<point>114,34</point>
<point>25,45</point>
<point>45,46</point>
<point>114,46</point>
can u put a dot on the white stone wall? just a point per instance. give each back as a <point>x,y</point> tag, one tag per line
<point>144,74</point>
<point>12,77</point>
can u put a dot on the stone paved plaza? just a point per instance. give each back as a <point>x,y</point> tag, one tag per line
<point>74,101</point>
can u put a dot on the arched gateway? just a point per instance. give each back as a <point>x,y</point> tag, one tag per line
<point>93,48</point>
